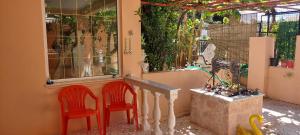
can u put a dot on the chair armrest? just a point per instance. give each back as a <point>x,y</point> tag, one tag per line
<point>96,100</point>
<point>131,90</point>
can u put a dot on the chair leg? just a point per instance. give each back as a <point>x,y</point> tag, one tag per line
<point>64,126</point>
<point>88,122</point>
<point>136,118</point>
<point>128,116</point>
<point>108,117</point>
<point>105,121</point>
<point>99,123</point>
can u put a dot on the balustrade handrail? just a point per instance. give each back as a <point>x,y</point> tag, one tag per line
<point>152,86</point>
<point>156,89</point>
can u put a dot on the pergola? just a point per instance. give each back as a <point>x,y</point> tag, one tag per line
<point>222,5</point>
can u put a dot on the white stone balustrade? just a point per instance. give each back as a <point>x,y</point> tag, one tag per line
<point>156,89</point>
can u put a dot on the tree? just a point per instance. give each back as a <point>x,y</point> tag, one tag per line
<point>159,32</point>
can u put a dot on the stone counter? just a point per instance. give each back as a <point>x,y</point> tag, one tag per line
<point>221,115</point>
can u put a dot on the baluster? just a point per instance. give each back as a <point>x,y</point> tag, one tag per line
<point>138,105</point>
<point>156,114</point>
<point>172,118</point>
<point>146,125</point>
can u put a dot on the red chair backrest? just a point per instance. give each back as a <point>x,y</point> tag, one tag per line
<point>116,91</point>
<point>74,97</point>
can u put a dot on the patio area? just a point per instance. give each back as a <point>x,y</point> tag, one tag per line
<point>69,59</point>
<point>281,118</point>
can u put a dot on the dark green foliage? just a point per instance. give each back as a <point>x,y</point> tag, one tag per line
<point>244,70</point>
<point>169,33</point>
<point>159,25</point>
<point>286,39</point>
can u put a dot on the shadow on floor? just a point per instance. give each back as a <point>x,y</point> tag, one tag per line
<point>281,118</point>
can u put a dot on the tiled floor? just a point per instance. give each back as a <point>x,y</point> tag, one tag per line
<point>281,118</point>
<point>183,127</point>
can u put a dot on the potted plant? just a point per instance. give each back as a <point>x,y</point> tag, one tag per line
<point>287,63</point>
<point>286,42</point>
<point>274,61</point>
<point>243,74</point>
<point>283,61</point>
<point>289,59</point>
<point>290,63</point>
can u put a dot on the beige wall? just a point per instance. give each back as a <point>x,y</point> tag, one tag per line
<point>260,50</point>
<point>284,87</point>
<point>278,83</point>
<point>131,22</point>
<point>284,84</point>
<point>27,105</point>
<point>179,79</point>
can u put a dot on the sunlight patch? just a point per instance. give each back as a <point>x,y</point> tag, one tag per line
<point>272,112</point>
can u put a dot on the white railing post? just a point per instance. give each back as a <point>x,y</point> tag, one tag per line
<point>156,114</point>
<point>146,125</point>
<point>157,89</point>
<point>172,118</point>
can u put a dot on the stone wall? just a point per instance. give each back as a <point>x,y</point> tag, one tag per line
<point>222,116</point>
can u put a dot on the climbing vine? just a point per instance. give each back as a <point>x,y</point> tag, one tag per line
<point>286,39</point>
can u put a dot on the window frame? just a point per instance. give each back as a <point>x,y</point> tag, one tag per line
<point>90,78</point>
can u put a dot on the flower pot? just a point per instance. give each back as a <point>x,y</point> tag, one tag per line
<point>283,63</point>
<point>274,62</point>
<point>290,64</point>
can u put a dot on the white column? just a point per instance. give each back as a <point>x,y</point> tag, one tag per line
<point>172,118</point>
<point>156,114</point>
<point>146,125</point>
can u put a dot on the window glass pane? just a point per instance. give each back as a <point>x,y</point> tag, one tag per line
<point>53,28</point>
<point>84,7</point>
<point>97,5</point>
<point>52,6</point>
<point>69,25</point>
<point>82,38</point>
<point>68,6</point>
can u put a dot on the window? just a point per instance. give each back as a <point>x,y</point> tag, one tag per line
<point>82,38</point>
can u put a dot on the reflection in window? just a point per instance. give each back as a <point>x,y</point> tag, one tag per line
<point>82,38</point>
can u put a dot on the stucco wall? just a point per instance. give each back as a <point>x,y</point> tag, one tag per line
<point>276,82</point>
<point>27,105</point>
<point>260,50</point>
<point>179,79</point>
<point>284,84</point>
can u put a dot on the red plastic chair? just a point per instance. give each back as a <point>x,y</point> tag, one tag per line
<point>114,93</point>
<point>72,101</point>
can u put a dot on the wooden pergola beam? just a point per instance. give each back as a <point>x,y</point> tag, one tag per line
<point>220,5</point>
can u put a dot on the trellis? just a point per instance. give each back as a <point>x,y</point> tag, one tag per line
<point>220,5</point>
<point>232,40</point>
